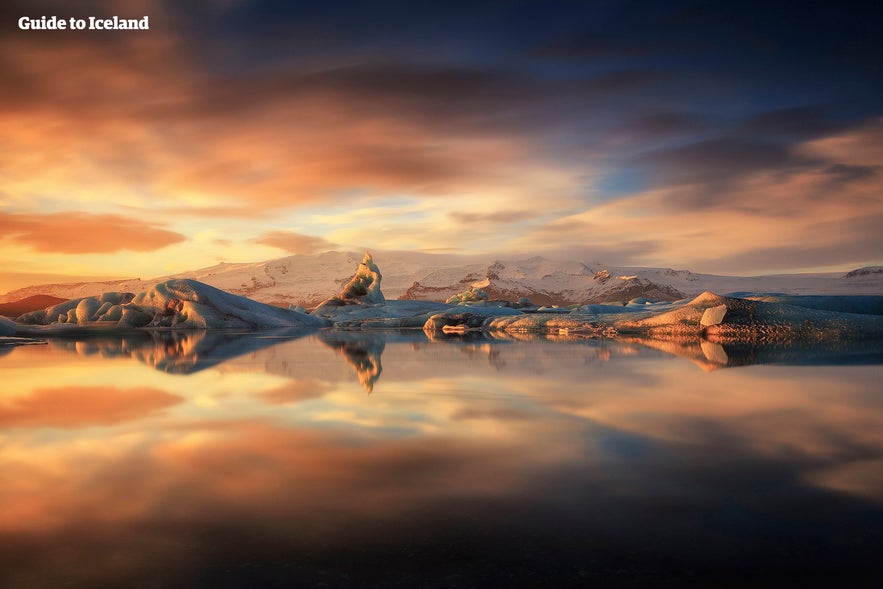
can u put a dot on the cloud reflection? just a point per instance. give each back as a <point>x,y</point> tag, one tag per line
<point>75,407</point>
<point>504,439</point>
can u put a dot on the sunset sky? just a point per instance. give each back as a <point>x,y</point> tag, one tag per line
<point>720,137</point>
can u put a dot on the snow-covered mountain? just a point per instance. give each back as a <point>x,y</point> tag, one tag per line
<point>547,282</point>
<point>310,279</point>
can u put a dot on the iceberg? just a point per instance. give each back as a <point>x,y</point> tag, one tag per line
<point>720,318</point>
<point>7,327</point>
<point>362,289</point>
<point>471,295</point>
<point>360,304</point>
<point>473,318</point>
<point>178,304</point>
<point>861,304</point>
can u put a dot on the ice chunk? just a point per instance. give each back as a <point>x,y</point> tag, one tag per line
<point>471,295</point>
<point>713,316</point>
<point>362,289</point>
<point>7,327</point>
<point>364,286</point>
<point>86,310</point>
<point>175,303</point>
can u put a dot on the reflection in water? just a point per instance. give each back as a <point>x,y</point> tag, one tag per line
<point>360,351</point>
<point>258,461</point>
<point>74,406</point>
<point>185,352</point>
<point>177,351</point>
<point>714,356</point>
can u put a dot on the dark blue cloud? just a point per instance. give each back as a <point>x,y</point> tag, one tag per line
<point>574,74</point>
<point>639,94</point>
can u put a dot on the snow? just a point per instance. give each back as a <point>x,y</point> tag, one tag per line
<point>181,304</point>
<point>643,303</point>
<point>866,271</point>
<point>307,280</point>
<point>361,305</point>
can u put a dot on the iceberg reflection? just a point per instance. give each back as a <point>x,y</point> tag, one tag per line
<point>361,351</point>
<point>177,351</point>
<point>257,460</point>
<point>188,352</point>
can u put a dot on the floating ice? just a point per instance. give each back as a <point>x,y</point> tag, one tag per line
<point>179,304</point>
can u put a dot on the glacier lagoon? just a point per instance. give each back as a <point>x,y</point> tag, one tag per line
<point>401,459</point>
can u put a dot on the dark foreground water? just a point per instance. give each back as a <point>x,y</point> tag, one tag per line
<point>234,460</point>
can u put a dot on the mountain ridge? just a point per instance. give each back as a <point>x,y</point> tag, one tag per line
<point>307,280</point>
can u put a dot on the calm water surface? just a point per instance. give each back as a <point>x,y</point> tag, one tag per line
<point>349,460</point>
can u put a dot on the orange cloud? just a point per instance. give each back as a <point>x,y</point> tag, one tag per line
<point>144,126</point>
<point>76,407</point>
<point>76,233</point>
<point>295,243</point>
<point>820,215</point>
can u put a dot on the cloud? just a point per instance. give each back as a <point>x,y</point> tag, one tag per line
<point>861,145</point>
<point>664,124</point>
<point>800,122</point>
<point>717,160</point>
<point>330,476</point>
<point>129,132</point>
<point>78,407</point>
<point>494,217</point>
<point>295,392</point>
<point>813,205</point>
<point>837,243</point>
<point>75,233</point>
<point>213,130</point>
<point>594,46</point>
<point>846,172</point>
<point>296,243</point>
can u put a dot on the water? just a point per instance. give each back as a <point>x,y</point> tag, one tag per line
<point>389,460</point>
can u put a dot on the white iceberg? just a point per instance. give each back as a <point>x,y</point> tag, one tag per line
<point>362,289</point>
<point>180,304</point>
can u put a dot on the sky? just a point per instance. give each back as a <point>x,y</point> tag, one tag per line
<point>722,137</point>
